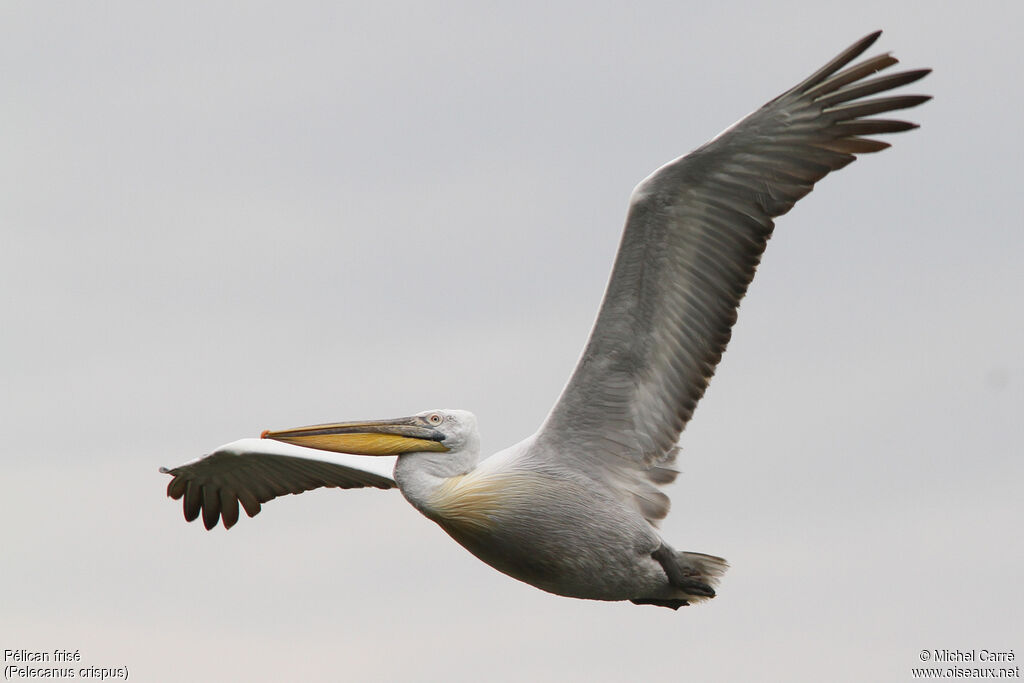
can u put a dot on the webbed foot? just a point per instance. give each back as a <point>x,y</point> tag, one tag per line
<point>680,576</point>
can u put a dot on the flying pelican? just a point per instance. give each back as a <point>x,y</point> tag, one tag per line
<point>574,509</point>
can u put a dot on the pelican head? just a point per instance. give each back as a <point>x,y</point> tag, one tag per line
<point>431,446</point>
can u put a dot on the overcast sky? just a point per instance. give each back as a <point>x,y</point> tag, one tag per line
<point>225,217</point>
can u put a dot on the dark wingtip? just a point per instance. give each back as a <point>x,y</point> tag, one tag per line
<point>209,520</point>
<point>842,59</point>
<point>908,101</point>
<point>867,41</point>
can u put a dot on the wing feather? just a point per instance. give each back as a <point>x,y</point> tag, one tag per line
<point>253,471</point>
<point>694,235</point>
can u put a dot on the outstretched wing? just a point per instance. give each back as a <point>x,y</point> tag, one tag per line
<point>694,235</point>
<point>253,471</point>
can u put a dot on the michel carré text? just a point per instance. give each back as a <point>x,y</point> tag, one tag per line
<point>972,656</point>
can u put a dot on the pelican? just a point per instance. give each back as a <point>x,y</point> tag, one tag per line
<point>574,509</point>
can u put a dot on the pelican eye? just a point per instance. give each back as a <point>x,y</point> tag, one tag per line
<point>435,419</point>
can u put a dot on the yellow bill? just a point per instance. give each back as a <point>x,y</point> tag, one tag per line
<point>378,437</point>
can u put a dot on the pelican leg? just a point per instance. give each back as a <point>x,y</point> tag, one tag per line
<point>681,576</point>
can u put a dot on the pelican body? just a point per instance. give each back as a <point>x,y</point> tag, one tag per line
<point>574,508</point>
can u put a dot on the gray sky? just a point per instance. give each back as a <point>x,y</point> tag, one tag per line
<point>224,217</point>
